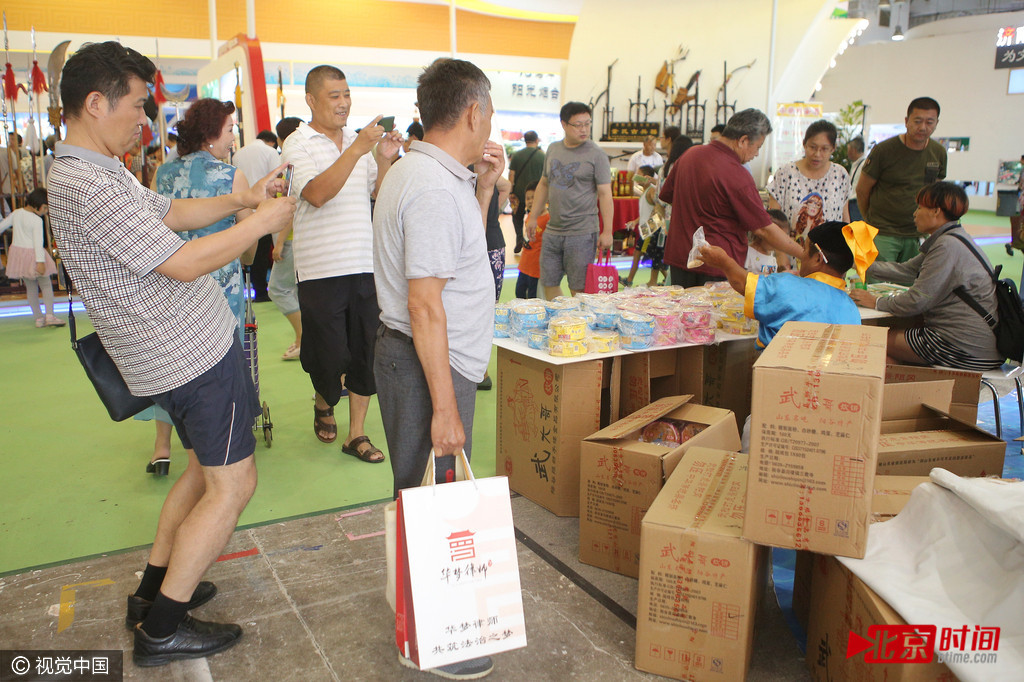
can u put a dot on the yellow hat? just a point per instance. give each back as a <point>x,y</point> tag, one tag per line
<point>860,237</point>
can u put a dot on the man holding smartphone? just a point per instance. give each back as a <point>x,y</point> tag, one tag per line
<point>336,172</point>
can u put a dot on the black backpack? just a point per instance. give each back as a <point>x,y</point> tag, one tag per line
<point>1009,329</point>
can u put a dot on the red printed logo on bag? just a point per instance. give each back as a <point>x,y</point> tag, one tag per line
<point>460,544</point>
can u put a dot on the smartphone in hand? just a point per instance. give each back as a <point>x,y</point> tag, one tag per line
<point>287,177</point>
<point>388,123</point>
<point>444,468</point>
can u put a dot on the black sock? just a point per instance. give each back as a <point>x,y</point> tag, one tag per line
<point>152,579</point>
<point>164,617</point>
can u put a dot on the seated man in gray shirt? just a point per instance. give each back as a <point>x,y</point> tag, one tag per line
<point>434,282</point>
<point>576,183</point>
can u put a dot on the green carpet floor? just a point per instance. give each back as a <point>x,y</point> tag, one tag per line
<point>72,482</point>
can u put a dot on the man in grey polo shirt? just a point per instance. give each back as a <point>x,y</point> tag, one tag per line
<point>167,326</point>
<point>434,282</point>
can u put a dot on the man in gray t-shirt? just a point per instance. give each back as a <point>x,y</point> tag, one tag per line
<point>576,184</point>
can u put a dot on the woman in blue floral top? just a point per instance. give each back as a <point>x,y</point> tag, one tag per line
<point>205,139</point>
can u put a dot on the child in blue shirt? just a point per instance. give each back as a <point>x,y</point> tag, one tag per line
<point>817,295</point>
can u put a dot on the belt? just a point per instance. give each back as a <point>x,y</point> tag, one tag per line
<point>395,334</point>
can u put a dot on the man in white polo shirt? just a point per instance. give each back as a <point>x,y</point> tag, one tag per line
<point>336,171</point>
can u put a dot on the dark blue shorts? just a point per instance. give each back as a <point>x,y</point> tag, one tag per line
<point>214,413</point>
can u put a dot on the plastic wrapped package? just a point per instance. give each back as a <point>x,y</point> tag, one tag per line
<point>667,328</point>
<point>702,335</point>
<point>604,341</point>
<point>696,317</point>
<point>636,342</point>
<point>635,324</point>
<point>567,349</point>
<point>567,328</point>
<point>606,315</point>
<point>561,304</point>
<point>502,330</point>
<point>528,314</point>
<point>537,339</point>
<point>740,327</point>
<point>502,312</point>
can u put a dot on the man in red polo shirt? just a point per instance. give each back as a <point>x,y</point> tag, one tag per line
<point>709,187</point>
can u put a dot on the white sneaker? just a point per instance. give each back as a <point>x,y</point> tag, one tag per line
<point>292,353</point>
<point>53,321</point>
<point>473,669</point>
<point>40,322</point>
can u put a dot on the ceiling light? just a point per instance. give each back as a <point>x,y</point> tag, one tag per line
<point>898,33</point>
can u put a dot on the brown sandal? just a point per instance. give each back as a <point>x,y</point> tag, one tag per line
<point>366,455</point>
<point>322,426</point>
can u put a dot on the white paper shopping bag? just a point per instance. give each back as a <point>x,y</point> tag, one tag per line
<point>458,578</point>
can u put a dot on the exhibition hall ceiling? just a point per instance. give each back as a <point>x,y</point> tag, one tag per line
<point>924,11</point>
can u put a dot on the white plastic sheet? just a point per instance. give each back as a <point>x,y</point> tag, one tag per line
<point>953,557</point>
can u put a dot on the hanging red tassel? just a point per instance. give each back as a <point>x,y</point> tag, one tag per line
<point>10,84</point>
<point>38,79</point>
<point>147,136</point>
<point>158,89</point>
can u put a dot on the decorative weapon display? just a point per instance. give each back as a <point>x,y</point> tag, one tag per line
<point>724,110</point>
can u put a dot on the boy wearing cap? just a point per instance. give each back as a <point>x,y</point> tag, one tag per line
<point>817,295</point>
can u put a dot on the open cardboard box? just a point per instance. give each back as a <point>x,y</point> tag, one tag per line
<point>699,580</point>
<point>934,438</point>
<point>620,476</point>
<point>545,410</point>
<point>966,386</point>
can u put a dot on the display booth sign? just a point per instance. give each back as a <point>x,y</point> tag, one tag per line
<point>627,131</point>
<point>525,91</point>
<point>1010,47</point>
<point>791,122</point>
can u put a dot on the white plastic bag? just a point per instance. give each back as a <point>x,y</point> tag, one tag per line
<point>694,261</point>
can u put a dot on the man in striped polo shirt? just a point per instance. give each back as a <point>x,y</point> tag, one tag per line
<point>336,172</point>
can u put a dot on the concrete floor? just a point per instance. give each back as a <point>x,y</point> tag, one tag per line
<point>309,594</point>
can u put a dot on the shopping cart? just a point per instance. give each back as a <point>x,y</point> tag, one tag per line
<point>252,355</point>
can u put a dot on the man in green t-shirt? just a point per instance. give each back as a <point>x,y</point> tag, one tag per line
<point>524,168</point>
<point>894,173</point>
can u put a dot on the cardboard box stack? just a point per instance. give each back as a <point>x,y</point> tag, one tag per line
<point>699,580</point>
<point>621,473</point>
<point>816,416</point>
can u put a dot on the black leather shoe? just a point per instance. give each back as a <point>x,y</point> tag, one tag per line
<point>138,608</point>
<point>193,639</point>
